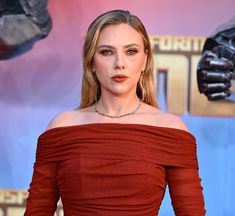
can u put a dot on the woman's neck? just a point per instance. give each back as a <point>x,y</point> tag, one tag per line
<point>117,105</point>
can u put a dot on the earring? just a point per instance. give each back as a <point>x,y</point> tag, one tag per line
<point>93,70</point>
<point>142,73</point>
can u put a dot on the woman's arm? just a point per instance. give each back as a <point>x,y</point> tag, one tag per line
<point>185,191</point>
<point>43,191</point>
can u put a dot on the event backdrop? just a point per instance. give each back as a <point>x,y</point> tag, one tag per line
<point>46,81</point>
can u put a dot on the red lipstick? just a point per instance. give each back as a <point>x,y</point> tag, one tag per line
<point>119,78</point>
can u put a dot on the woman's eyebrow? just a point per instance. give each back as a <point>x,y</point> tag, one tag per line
<point>131,45</point>
<point>112,47</point>
<point>105,46</point>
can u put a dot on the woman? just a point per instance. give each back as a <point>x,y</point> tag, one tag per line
<point>118,151</point>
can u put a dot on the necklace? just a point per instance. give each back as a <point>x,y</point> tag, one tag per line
<point>118,116</point>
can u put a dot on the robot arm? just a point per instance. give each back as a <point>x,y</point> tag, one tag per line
<point>216,67</point>
<point>22,23</point>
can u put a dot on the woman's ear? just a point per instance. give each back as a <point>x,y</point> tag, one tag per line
<point>145,62</point>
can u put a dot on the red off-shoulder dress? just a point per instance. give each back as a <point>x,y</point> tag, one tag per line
<point>111,169</point>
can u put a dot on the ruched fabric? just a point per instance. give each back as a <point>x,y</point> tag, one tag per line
<point>115,169</point>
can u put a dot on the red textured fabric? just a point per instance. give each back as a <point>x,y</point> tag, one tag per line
<point>115,169</point>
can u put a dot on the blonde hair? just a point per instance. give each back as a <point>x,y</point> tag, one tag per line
<point>91,90</point>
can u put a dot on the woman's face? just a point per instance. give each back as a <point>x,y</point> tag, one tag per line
<point>119,59</point>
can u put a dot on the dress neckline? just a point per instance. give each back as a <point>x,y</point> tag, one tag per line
<point>59,128</point>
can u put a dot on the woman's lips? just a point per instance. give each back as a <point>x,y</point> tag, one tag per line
<point>119,78</point>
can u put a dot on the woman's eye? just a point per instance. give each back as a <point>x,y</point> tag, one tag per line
<point>106,52</point>
<point>131,51</point>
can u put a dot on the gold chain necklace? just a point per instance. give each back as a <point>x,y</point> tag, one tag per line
<point>117,116</point>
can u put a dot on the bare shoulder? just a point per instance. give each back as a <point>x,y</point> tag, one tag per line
<point>70,118</point>
<point>62,119</point>
<point>173,121</point>
<point>157,117</point>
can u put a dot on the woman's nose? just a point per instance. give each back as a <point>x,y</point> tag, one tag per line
<point>120,62</point>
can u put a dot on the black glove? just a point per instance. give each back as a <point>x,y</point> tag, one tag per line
<point>214,75</point>
<point>216,67</point>
<point>22,23</point>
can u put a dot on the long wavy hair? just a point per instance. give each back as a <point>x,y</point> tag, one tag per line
<point>91,89</point>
